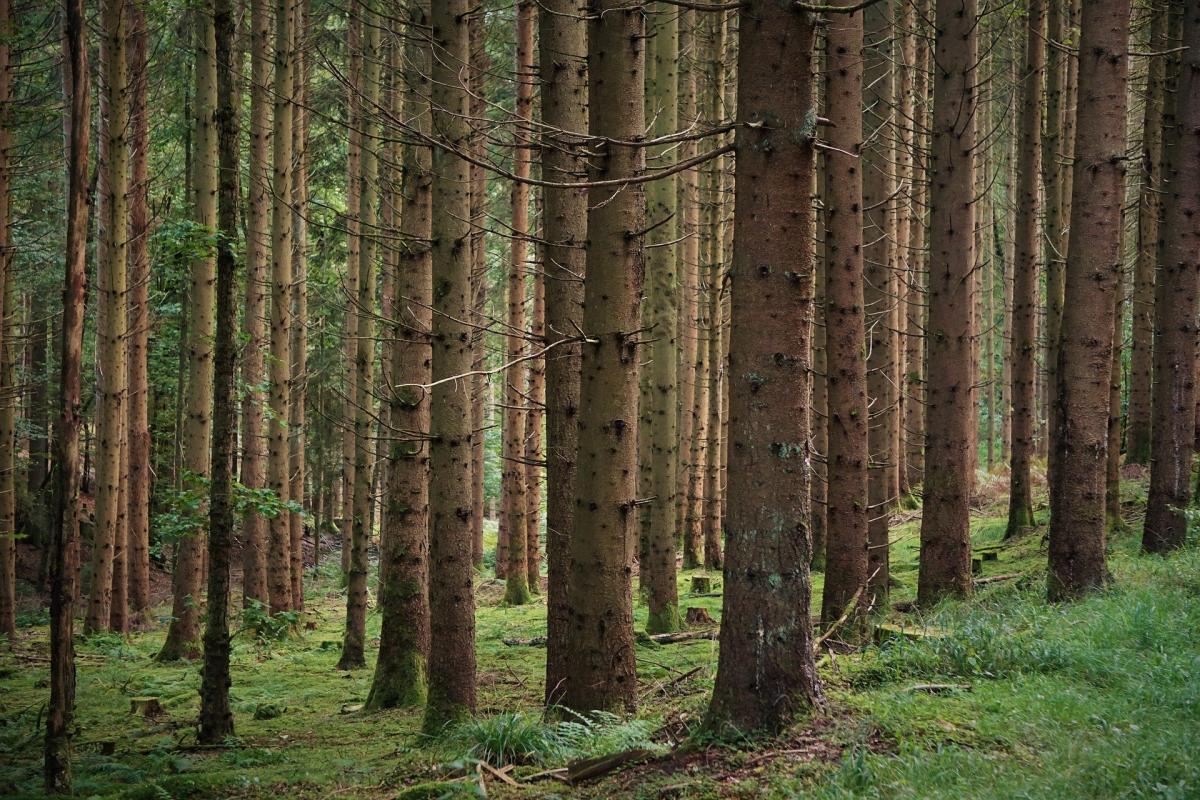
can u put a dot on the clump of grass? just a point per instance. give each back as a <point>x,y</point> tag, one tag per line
<point>520,738</point>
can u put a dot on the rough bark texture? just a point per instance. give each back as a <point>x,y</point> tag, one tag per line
<point>451,506</point>
<point>1077,525</point>
<point>354,642</point>
<point>1137,431</point>
<point>8,549</point>
<point>253,472</point>
<point>658,427</point>
<point>845,326</point>
<point>350,283</point>
<point>183,636</point>
<point>279,578</point>
<point>1175,312</point>
<point>600,667</point>
<point>516,402</point>
<point>64,528</point>
<point>562,43</point>
<point>766,672</point>
<point>945,567</point>
<point>216,716</point>
<point>876,160</point>
<point>138,448</point>
<point>297,414</point>
<point>1023,354</point>
<point>400,672</point>
<point>1053,172</point>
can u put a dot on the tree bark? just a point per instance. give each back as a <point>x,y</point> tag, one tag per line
<point>8,542</point>
<point>600,667</point>
<point>1023,353</point>
<point>1077,525</point>
<point>766,672</point>
<point>562,51</point>
<point>451,502</point>
<point>1172,429</point>
<point>945,566</point>
<point>845,326</point>
<point>216,716</point>
<point>354,142</point>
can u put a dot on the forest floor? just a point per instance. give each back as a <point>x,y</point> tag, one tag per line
<point>1000,696</point>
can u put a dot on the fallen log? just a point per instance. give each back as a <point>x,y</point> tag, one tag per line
<point>589,768</point>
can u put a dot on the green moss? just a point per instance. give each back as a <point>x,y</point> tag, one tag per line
<point>667,620</point>
<point>401,685</point>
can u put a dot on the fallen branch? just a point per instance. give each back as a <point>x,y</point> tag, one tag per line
<point>589,768</point>
<point>840,620</point>
<point>996,578</point>
<point>938,688</point>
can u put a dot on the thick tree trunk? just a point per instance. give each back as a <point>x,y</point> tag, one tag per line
<point>216,717</point>
<point>600,668</point>
<point>279,578</point>
<point>945,567</point>
<point>845,326</point>
<point>1137,433</point>
<point>763,680</point>
<point>1023,354</point>
<point>451,506</point>
<point>1077,525</point>
<point>513,478</point>
<point>138,446</point>
<point>64,526</point>
<point>253,473</point>
<point>183,636</point>
<point>1172,429</point>
<point>400,672</point>
<point>562,43</point>
<point>354,642</point>
<point>658,427</point>
<point>110,341</point>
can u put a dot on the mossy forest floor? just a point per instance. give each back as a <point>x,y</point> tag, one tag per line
<point>1006,697</point>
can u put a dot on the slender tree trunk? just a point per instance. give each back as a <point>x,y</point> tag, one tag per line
<point>1023,354</point>
<point>601,672</point>
<point>877,157</point>
<point>400,672</point>
<point>562,43</point>
<point>110,344</point>
<point>1175,310</point>
<point>183,636</point>
<point>451,502</point>
<point>1112,477</point>
<point>914,408</point>
<point>138,442</point>
<point>216,717</point>
<point>354,643</point>
<point>763,680</point>
<point>1053,173</point>
<point>64,527</point>
<point>279,579</point>
<point>297,416</point>
<point>534,420</point>
<point>8,542</point>
<point>945,567</point>
<point>516,501</point>
<point>845,326</point>
<point>1077,525</point>
<point>480,68</point>
<point>354,113</point>
<point>253,473</point>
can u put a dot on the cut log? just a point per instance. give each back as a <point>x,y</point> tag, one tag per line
<point>997,578</point>
<point>698,616</point>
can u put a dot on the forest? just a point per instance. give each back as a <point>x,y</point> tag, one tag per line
<point>436,399</point>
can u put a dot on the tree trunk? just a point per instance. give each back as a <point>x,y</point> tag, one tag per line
<point>877,156</point>
<point>183,636</point>
<point>600,668</point>
<point>562,42</point>
<point>216,717</point>
<point>534,420</point>
<point>1175,314</point>
<point>945,567</point>
<point>514,486</point>
<point>138,442</point>
<point>1077,525</point>
<point>253,473</point>
<point>1112,473</point>
<point>763,680</point>
<point>279,578</point>
<point>845,327</point>
<point>64,526</point>
<point>1053,174</point>
<point>451,506</point>
<point>1137,434</point>
<point>1023,354</point>
<point>354,142</point>
<point>110,345</point>
<point>400,672</point>
<point>8,542</point>
<point>354,643</point>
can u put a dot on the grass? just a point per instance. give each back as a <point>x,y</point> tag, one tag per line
<point>1099,698</point>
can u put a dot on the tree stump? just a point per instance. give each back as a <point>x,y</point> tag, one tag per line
<point>148,707</point>
<point>699,616</point>
<point>701,584</point>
